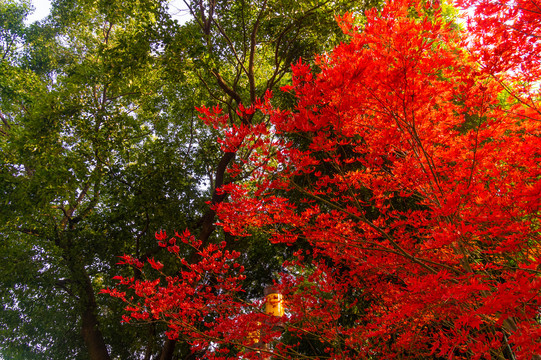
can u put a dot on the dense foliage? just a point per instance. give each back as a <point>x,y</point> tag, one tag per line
<point>407,179</point>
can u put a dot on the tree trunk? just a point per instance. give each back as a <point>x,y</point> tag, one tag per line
<point>168,350</point>
<point>90,331</point>
<point>84,292</point>
<point>92,336</point>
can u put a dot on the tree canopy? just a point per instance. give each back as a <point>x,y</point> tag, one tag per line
<point>271,179</point>
<point>405,174</point>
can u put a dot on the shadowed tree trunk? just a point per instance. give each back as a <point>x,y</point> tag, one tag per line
<point>168,350</point>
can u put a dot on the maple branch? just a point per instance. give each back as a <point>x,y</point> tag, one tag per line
<point>428,158</point>
<point>512,93</point>
<point>474,151</point>
<point>363,219</point>
<point>359,207</point>
<point>377,247</point>
<point>402,123</point>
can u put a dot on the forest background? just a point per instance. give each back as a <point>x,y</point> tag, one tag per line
<point>111,136</point>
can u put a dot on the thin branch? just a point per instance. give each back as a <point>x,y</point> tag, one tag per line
<point>230,43</point>
<point>253,44</point>
<point>379,230</point>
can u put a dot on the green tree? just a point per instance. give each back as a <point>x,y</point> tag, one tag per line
<point>81,113</point>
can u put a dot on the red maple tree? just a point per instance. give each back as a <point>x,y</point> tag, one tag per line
<point>409,169</point>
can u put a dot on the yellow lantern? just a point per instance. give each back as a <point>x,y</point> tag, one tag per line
<point>275,302</point>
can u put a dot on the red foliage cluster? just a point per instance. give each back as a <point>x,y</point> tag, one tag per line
<point>506,36</point>
<point>199,289</point>
<point>420,182</point>
<point>199,303</point>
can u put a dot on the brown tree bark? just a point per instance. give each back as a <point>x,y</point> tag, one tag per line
<point>92,336</point>
<point>90,330</point>
<point>168,350</point>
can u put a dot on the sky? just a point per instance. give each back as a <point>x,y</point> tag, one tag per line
<point>42,9</point>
